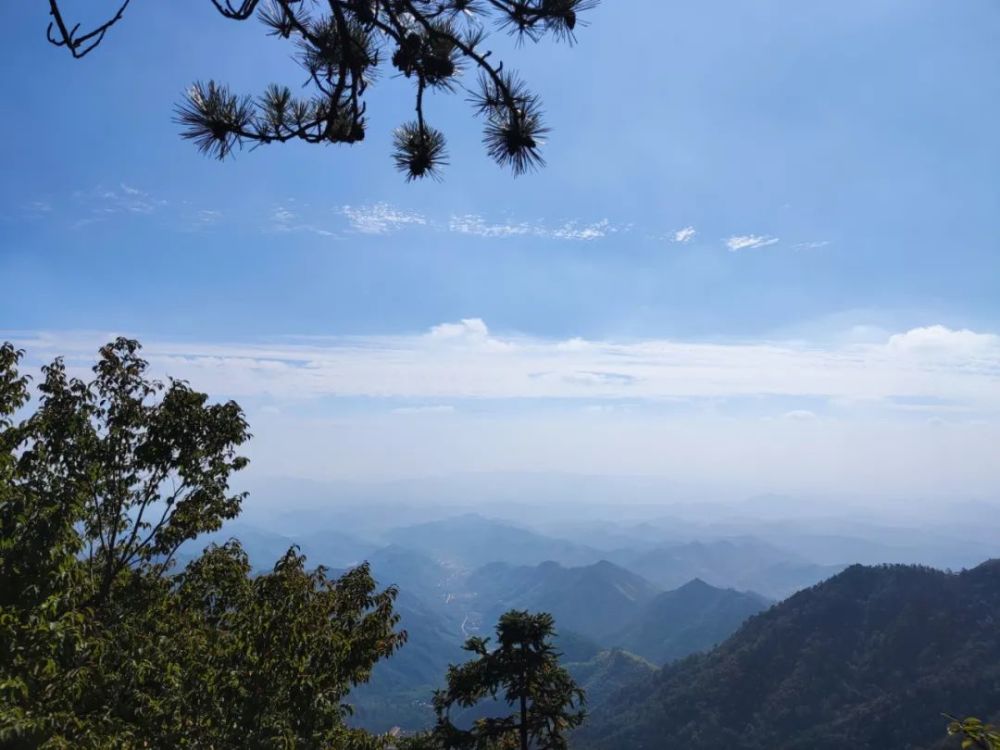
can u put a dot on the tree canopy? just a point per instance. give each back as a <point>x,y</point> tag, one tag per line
<point>103,644</point>
<point>342,45</point>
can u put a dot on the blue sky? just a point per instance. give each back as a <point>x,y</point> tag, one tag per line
<point>820,177</point>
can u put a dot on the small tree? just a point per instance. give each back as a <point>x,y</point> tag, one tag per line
<point>341,45</point>
<point>523,671</point>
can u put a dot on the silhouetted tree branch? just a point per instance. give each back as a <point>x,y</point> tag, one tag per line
<point>341,45</point>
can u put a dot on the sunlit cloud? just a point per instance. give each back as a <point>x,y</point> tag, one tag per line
<point>685,235</point>
<point>476,225</point>
<point>380,218</point>
<point>749,242</point>
<point>465,359</point>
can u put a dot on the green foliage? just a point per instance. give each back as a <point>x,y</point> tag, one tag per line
<point>102,645</point>
<point>974,734</point>
<point>523,671</point>
<point>343,45</point>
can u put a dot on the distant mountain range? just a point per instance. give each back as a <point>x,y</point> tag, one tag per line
<point>594,600</point>
<point>596,607</point>
<point>471,540</point>
<point>869,659</point>
<point>740,562</point>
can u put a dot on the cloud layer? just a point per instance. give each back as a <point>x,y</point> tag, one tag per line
<point>915,413</point>
<point>465,360</point>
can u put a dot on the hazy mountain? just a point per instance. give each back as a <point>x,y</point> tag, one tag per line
<point>744,563</point>
<point>594,600</point>
<point>473,540</point>
<point>693,618</point>
<point>332,548</point>
<point>868,659</point>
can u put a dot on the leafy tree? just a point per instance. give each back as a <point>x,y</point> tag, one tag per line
<point>342,45</point>
<point>974,734</point>
<point>102,643</point>
<point>523,671</point>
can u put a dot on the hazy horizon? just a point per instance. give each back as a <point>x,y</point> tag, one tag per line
<point>870,413</point>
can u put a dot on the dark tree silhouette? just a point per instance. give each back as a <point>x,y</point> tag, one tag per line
<point>522,671</point>
<point>341,45</point>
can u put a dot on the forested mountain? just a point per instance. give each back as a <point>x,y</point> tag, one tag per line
<point>692,618</point>
<point>594,600</point>
<point>868,659</point>
<point>606,673</point>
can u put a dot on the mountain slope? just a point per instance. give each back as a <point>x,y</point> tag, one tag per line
<point>594,600</point>
<point>401,687</point>
<point>693,618</point>
<point>869,659</point>
<point>608,672</point>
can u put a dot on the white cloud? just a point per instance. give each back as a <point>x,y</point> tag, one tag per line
<point>574,231</point>
<point>941,342</point>
<point>465,359</point>
<point>685,235</point>
<point>815,245</point>
<point>380,218</point>
<point>749,242</point>
<point>476,225</point>
<point>465,328</point>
